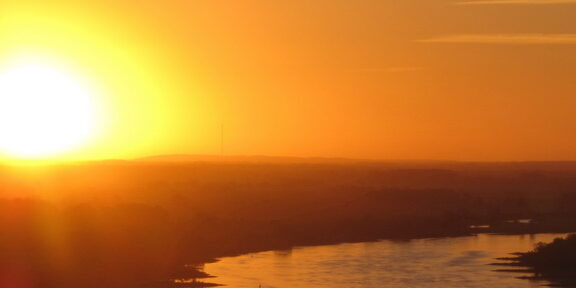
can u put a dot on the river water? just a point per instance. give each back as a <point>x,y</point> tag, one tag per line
<point>443,262</point>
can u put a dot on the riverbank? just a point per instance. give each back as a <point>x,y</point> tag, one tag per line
<point>198,264</point>
<point>554,262</point>
<point>430,262</point>
<point>534,229</point>
<point>135,223</point>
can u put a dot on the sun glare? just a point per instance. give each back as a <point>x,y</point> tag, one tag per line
<point>42,112</point>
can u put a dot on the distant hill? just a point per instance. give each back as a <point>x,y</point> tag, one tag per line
<point>498,167</point>
<point>244,159</point>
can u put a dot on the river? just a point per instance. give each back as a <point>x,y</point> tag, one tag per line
<point>441,262</point>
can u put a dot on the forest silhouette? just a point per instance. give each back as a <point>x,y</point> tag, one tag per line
<point>152,223</point>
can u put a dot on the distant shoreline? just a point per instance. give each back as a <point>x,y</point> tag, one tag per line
<point>157,217</point>
<point>404,239</point>
<point>216,259</point>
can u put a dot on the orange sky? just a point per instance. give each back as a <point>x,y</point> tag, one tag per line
<point>411,79</point>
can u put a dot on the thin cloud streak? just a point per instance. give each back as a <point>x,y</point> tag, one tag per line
<point>399,69</point>
<point>516,2</point>
<point>520,39</point>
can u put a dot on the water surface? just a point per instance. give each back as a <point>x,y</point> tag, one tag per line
<point>442,263</point>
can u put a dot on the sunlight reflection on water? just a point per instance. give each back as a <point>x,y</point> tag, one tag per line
<point>442,262</point>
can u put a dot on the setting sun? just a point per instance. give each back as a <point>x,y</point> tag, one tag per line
<point>287,143</point>
<point>43,111</point>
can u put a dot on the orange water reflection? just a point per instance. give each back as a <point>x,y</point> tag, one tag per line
<point>445,262</point>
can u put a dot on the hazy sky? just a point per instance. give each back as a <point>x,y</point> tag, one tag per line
<point>390,79</point>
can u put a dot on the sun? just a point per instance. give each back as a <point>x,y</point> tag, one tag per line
<point>43,112</point>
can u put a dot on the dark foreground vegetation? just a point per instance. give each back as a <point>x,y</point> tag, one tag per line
<point>555,261</point>
<point>144,223</point>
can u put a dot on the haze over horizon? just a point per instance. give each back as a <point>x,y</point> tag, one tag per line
<point>375,79</point>
<point>190,143</point>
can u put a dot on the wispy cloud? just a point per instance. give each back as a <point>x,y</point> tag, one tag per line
<point>388,69</point>
<point>505,39</point>
<point>512,2</point>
